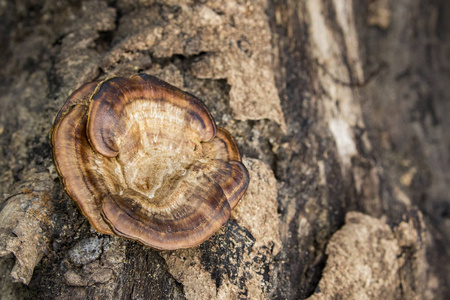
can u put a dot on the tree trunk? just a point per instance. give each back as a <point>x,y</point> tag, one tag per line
<point>339,109</point>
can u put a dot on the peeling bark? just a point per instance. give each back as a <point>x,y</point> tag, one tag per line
<point>339,108</point>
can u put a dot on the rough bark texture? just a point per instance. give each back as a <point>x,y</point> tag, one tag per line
<point>339,107</point>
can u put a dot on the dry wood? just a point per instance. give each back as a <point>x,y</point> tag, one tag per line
<point>337,107</point>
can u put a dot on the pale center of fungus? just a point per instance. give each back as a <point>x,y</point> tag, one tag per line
<point>156,149</point>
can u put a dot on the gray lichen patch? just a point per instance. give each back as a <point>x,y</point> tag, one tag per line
<point>94,261</point>
<point>85,251</point>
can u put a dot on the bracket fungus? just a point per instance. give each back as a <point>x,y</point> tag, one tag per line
<point>145,161</point>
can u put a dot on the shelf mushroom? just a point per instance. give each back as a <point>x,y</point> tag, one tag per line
<point>145,161</point>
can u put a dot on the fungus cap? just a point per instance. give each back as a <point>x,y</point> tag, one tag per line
<point>145,160</point>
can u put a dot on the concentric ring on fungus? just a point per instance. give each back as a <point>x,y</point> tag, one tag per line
<point>145,160</point>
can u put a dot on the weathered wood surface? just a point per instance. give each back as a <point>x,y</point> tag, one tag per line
<point>339,107</point>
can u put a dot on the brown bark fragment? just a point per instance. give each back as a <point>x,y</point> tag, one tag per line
<point>26,224</point>
<point>367,260</point>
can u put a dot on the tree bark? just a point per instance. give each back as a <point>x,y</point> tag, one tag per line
<point>339,109</point>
